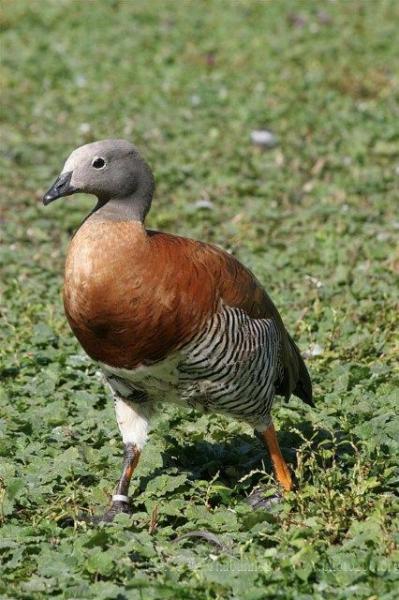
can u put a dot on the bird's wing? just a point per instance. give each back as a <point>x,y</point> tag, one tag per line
<point>210,276</point>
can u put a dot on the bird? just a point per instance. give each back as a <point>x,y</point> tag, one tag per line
<point>168,318</point>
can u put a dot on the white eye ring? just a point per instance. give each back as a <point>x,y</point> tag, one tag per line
<point>98,162</point>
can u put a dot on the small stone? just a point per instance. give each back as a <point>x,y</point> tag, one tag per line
<point>314,281</point>
<point>85,128</point>
<point>203,203</point>
<point>195,100</point>
<point>314,350</point>
<point>308,186</point>
<point>264,138</point>
<point>80,81</point>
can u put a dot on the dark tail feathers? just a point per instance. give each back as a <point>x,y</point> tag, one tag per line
<point>303,388</point>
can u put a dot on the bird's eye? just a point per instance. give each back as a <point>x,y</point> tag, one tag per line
<point>98,163</point>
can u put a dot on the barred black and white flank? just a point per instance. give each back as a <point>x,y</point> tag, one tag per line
<point>233,367</point>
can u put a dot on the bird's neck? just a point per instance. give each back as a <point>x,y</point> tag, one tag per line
<point>132,208</point>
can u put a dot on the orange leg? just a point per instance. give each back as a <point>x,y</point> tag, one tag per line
<point>279,465</point>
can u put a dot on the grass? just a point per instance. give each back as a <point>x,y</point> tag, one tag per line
<point>315,218</point>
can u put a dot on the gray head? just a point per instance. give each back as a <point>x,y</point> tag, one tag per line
<point>112,170</point>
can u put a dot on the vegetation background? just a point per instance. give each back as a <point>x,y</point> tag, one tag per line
<point>315,217</point>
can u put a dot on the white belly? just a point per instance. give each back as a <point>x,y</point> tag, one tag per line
<point>158,381</point>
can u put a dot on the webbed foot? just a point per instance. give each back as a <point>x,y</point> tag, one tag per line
<point>259,501</point>
<point>116,508</point>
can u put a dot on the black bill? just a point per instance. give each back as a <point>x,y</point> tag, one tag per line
<point>61,187</point>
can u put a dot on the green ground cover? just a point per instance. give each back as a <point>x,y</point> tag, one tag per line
<point>316,218</point>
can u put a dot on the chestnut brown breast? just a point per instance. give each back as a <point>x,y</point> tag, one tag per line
<point>134,296</point>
